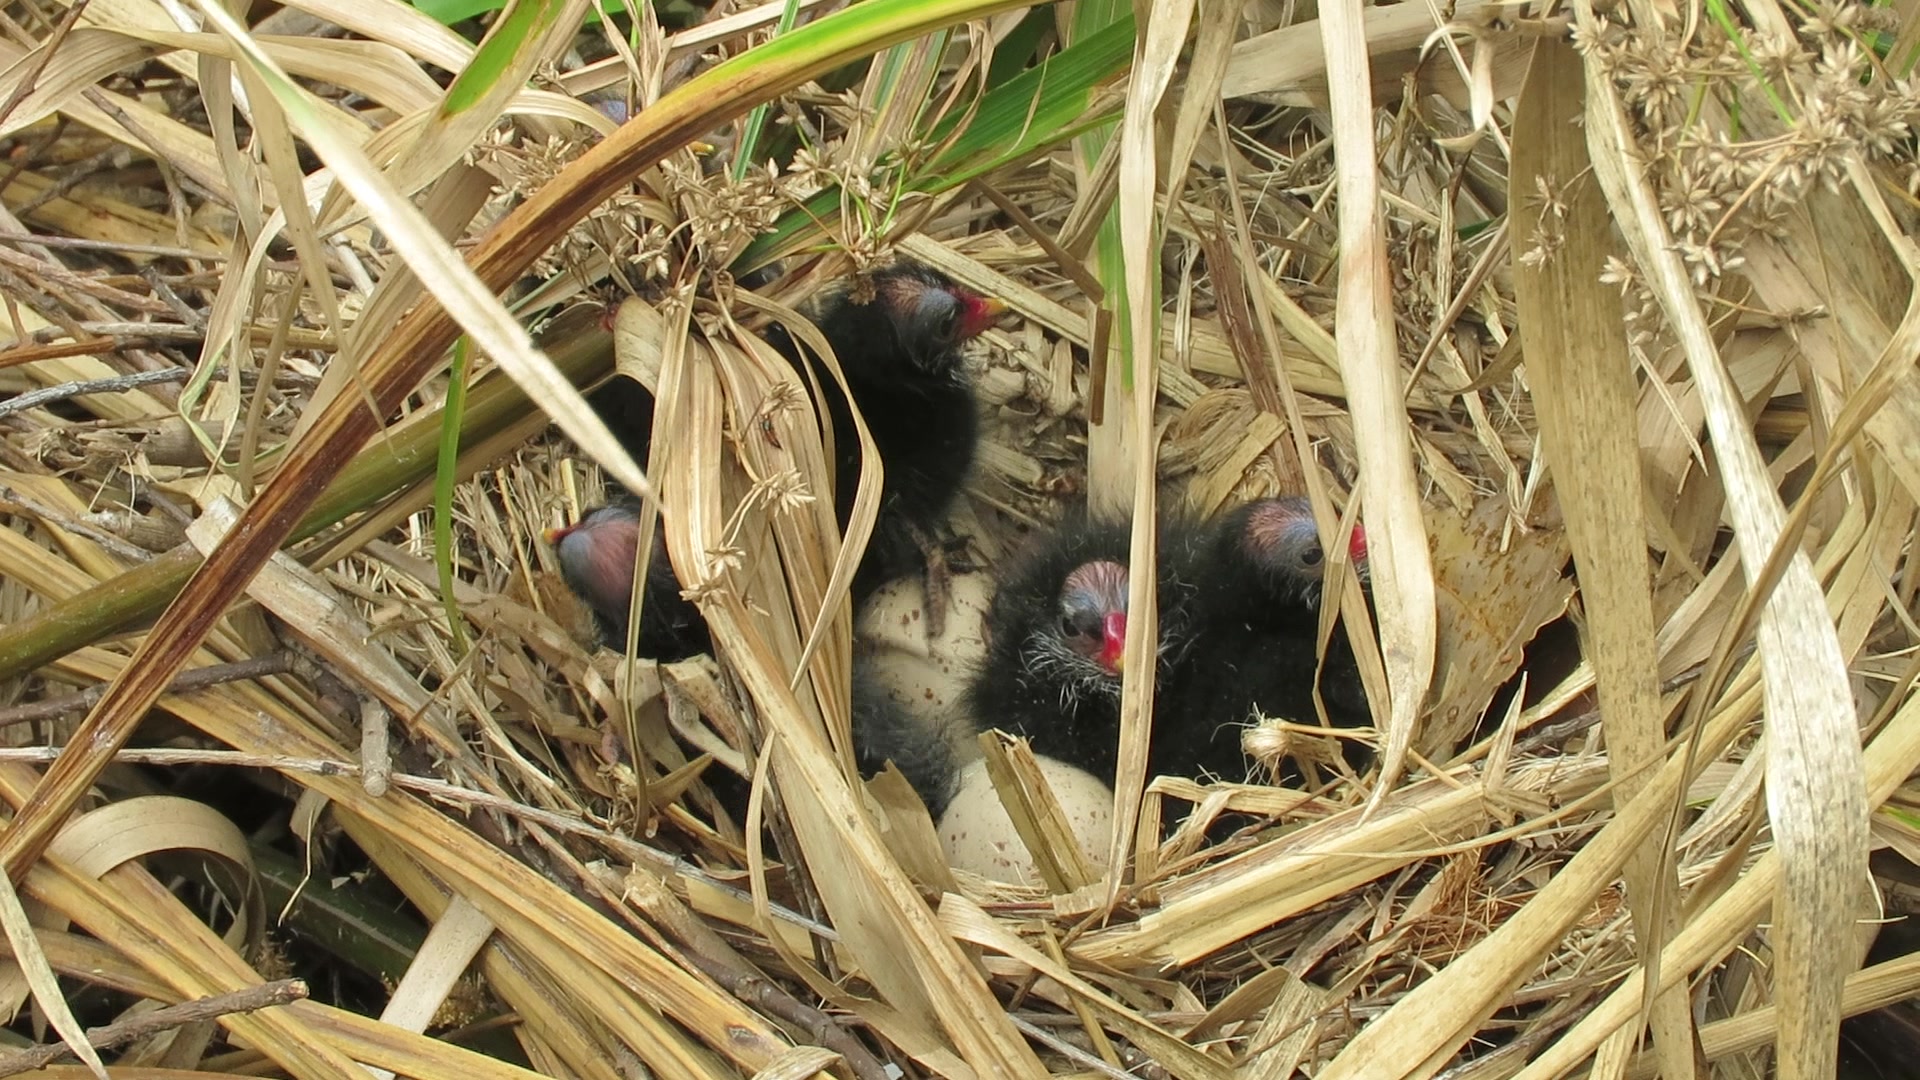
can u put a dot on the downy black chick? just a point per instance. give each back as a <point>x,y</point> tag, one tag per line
<point>1237,612</point>
<point>897,336</point>
<point>1274,546</point>
<point>596,557</point>
<point>1257,574</point>
<point>924,746</point>
<point>1055,634</point>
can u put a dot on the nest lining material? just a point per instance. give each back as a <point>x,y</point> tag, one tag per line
<point>1272,949</point>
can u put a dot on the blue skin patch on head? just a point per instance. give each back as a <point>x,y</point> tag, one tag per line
<point>936,314</point>
<point>925,318</point>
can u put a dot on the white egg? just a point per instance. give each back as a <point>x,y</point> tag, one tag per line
<point>979,837</point>
<point>926,674</point>
<point>922,671</point>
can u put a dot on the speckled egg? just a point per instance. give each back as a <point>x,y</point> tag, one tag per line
<point>979,837</point>
<point>922,671</point>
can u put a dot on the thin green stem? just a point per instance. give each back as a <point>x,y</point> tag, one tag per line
<point>446,476</point>
<point>757,119</point>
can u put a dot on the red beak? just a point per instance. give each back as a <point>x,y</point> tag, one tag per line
<point>1113,641</point>
<point>977,314</point>
<point>1357,544</point>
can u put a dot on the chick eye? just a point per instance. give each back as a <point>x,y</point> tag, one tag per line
<point>1080,622</point>
<point>1311,555</point>
<point>947,323</point>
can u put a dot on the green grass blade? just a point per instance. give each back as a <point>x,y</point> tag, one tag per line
<point>1040,107</point>
<point>756,121</point>
<point>502,56</point>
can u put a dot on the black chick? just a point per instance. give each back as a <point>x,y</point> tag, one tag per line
<point>1269,551</point>
<point>922,746</point>
<point>1257,573</point>
<point>1238,611</point>
<point>899,346</point>
<point>898,337</point>
<point>597,558</point>
<point>1055,634</point>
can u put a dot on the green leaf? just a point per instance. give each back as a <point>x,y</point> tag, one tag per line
<point>757,120</point>
<point>524,26</point>
<point>455,12</point>
<point>1016,51</point>
<point>1041,107</point>
<point>450,12</point>
<point>1090,20</point>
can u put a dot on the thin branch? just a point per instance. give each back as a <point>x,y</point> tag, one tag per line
<point>80,283</point>
<point>251,999</point>
<point>124,332</point>
<point>258,667</point>
<point>114,246</point>
<point>719,961</point>
<point>34,398</point>
<point>52,515</point>
<point>1081,1057</point>
<point>27,354</point>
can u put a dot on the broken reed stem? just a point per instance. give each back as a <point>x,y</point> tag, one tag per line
<point>251,999</point>
<point>376,758</point>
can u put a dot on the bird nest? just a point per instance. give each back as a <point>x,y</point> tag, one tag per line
<point>1613,365</point>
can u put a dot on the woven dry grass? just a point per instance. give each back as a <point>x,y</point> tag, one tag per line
<point>1617,288</point>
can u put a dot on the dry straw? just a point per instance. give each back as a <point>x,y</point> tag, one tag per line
<point>1630,287</point>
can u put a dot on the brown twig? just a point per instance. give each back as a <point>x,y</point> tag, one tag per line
<point>154,331</point>
<point>27,354</point>
<point>1063,260</point>
<point>54,517</point>
<point>1081,1057</point>
<point>248,1000</point>
<point>125,334</point>
<point>81,283</point>
<point>258,667</point>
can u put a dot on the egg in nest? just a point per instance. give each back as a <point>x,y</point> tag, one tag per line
<point>926,675</point>
<point>977,835</point>
<point>920,671</point>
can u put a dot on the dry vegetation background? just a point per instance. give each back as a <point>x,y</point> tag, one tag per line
<point>1632,286</point>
